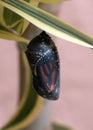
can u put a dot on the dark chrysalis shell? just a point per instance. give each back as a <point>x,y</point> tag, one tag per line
<point>44,62</point>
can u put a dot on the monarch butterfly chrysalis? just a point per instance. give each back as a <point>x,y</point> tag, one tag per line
<point>43,58</point>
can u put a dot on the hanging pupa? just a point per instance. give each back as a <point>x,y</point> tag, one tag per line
<point>43,58</point>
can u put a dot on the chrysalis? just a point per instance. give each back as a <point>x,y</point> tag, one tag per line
<point>44,62</point>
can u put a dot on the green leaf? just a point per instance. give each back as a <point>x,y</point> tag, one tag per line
<point>13,21</point>
<point>56,126</point>
<point>12,17</point>
<point>10,36</point>
<point>48,22</point>
<point>50,1</point>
